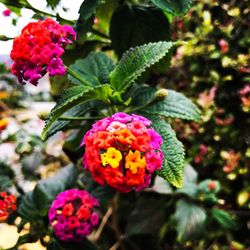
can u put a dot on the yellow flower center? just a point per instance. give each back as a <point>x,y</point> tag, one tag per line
<point>111,157</point>
<point>134,161</point>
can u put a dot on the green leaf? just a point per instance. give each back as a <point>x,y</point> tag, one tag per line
<point>7,176</point>
<point>72,97</point>
<point>172,148</point>
<point>224,218</point>
<point>88,8</point>
<point>176,8</point>
<point>190,187</point>
<point>47,190</point>
<point>135,25</point>
<point>78,110</point>
<point>53,3</point>
<point>137,224</point>
<point>86,18</point>
<point>189,220</point>
<point>95,69</point>
<point>104,13</point>
<point>135,61</point>
<point>175,105</point>
<point>27,208</point>
<point>204,186</point>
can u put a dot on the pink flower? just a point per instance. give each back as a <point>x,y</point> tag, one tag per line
<point>38,50</point>
<point>224,47</point>
<point>72,215</point>
<point>6,12</point>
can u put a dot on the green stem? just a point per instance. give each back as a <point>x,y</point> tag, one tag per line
<point>147,104</point>
<point>80,118</point>
<point>30,7</point>
<point>97,32</point>
<point>76,76</point>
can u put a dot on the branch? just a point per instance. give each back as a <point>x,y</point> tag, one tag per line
<point>103,223</point>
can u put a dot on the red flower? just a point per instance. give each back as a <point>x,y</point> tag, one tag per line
<point>68,209</point>
<point>38,50</point>
<point>7,205</point>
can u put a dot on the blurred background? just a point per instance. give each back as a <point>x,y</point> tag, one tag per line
<point>212,68</point>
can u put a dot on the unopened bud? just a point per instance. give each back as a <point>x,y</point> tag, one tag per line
<point>161,94</point>
<point>43,115</point>
<point>212,185</point>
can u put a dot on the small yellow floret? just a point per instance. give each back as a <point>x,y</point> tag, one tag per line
<point>134,161</point>
<point>111,157</point>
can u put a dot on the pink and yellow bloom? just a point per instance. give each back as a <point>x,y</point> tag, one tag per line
<point>73,216</point>
<point>123,151</point>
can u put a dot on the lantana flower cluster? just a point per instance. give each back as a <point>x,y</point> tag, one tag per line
<point>123,151</point>
<point>38,50</point>
<point>72,215</point>
<point>7,205</point>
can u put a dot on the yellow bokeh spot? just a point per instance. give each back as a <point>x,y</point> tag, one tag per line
<point>111,157</point>
<point>134,161</point>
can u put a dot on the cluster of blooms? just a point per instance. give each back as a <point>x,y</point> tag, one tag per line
<point>203,150</point>
<point>123,151</point>
<point>7,205</point>
<point>38,50</point>
<point>72,215</point>
<point>232,160</point>
<point>245,97</point>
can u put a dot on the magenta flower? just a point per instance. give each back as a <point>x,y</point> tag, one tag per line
<point>72,215</point>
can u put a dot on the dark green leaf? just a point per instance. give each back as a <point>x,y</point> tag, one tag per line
<point>30,165</point>
<point>27,208</point>
<point>190,187</point>
<point>53,3</point>
<point>176,8</point>
<point>95,69</point>
<point>224,218</point>
<point>72,97</point>
<point>5,183</point>
<point>146,219</point>
<point>86,18</point>
<point>136,25</point>
<point>172,148</point>
<point>175,105</point>
<point>7,176</point>
<point>6,170</point>
<point>135,61</point>
<point>78,110</point>
<point>190,220</point>
<point>88,8</point>
<point>47,190</point>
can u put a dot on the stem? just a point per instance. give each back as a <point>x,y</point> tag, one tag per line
<point>97,32</point>
<point>132,109</point>
<point>114,224</point>
<point>76,76</point>
<point>79,118</point>
<point>103,223</point>
<point>30,7</point>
